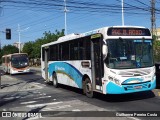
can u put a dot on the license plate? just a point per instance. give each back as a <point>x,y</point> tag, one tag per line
<point>137,87</point>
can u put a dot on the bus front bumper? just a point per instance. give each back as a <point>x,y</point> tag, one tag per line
<point>113,88</point>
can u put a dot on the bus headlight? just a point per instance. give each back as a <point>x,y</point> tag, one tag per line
<point>153,77</point>
<point>110,78</point>
<point>116,81</point>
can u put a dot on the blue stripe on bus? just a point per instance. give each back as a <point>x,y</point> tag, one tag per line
<point>133,79</point>
<point>112,88</point>
<point>68,69</point>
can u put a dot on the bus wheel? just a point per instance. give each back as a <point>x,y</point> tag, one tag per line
<point>54,80</point>
<point>88,88</point>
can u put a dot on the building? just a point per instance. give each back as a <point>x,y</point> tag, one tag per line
<point>16,44</point>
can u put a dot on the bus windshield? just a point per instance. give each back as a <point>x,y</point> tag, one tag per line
<point>19,61</point>
<point>129,53</point>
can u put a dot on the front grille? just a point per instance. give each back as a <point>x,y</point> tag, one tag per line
<point>143,85</point>
<point>135,83</point>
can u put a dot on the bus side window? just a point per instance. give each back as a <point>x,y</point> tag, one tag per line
<point>81,50</point>
<point>43,53</point>
<point>53,53</point>
<point>87,48</point>
<point>65,51</point>
<point>74,50</point>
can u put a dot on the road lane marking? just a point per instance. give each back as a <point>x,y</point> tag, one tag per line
<point>4,109</point>
<point>44,104</point>
<point>42,97</point>
<point>9,98</point>
<point>134,118</point>
<point>36,92</point>
<point>56,108</point>
<point>27,96</point>
<point>35,118</point>
<point>29,102</point>
<point>36,85</point>
<point>76,110</point>
<point>43,94</point>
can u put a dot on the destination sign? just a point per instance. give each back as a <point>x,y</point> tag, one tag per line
<point>19,55</point>
<point>128,32</point>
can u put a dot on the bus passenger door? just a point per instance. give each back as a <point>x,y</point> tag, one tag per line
<point>46,56</point>
<point>97,61</point>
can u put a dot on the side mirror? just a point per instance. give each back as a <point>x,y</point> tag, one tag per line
<point>104,51</point>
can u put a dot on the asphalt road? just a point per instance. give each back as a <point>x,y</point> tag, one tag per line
<point>31,94</point>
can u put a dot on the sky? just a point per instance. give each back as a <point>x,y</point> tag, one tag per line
<point>37,16</point>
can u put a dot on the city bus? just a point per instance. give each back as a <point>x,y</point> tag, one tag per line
<point>15,63</point>
<point>109,60</point>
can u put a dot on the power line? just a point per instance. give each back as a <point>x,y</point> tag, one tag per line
<point>77,8</point>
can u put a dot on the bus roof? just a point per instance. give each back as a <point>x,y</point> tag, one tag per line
<point>74,35</point>
<point>14,54</point>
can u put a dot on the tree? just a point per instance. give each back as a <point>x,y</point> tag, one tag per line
<point>28,48</point>
<point>9,49</point>
<point>34,48</point>
<point>37,48</point>
<point>157,50</point>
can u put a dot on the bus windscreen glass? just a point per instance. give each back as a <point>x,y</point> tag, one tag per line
<point>129,53</point>
<point>19,61</point>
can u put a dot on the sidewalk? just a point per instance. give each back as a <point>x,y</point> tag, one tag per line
<point>10,84</point>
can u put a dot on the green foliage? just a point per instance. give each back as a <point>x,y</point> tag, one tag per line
<point>28,48</point>
<point>34,48</point>
<point>8,49</point>
<point>157,50</point>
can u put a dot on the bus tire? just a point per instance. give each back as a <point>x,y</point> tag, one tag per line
<point>54,80</point>
<point>87,88</point>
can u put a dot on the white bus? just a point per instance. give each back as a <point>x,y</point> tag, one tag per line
<point>109,60</point>
<point>15,63</point>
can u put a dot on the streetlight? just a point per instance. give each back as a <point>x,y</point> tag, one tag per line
<point>19,36</point>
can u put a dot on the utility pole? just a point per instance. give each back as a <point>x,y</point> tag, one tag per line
<point>65,16</point>
<point>122,13</point>
<point>0,41</point>
<point>19,36</point>
<point>153,18</point>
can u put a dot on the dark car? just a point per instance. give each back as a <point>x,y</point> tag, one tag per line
<point>157,65</point>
